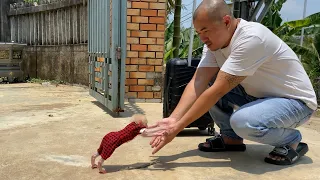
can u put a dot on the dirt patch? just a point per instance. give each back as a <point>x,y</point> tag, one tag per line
<point>35,145</point>
<point>313,123</point>
<point>72,160</point>
<point>43,107</point>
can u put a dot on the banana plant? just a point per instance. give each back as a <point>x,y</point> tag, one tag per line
<point>311,63</point>
<point>170,6</point>
<point>184,43</point>
<point>293,27</point>
<point>290,32</point>
<point>273,17</point>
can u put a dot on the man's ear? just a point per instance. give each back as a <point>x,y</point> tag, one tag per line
<point>227,21</point>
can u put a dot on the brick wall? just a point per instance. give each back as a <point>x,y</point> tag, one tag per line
<point>145,44</point>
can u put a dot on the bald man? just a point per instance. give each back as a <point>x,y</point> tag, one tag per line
<point>258,91</point>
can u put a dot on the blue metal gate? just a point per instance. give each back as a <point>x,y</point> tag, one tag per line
<point>107,52</point>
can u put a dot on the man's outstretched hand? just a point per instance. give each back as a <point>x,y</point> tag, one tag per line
<point>160,141</point>
<point>163,132</point>
<point>160,127</point>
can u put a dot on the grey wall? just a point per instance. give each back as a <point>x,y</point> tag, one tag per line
<point>67,63</point>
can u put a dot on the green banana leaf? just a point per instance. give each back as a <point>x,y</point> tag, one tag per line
<point>168,32</point>
<point>291,27</point>
<point>273,18</point>
<point>304,51</point>
<point>168,55</point>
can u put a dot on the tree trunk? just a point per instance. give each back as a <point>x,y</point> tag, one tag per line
<point>176,26</point>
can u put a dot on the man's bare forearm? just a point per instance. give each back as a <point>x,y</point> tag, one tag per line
<point>224,83</point>
<point>193,90</point>
<point>187,99</point>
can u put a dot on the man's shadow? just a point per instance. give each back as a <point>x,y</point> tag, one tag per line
<point>251,161</point>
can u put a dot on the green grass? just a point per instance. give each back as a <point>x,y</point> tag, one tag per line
<point>39,81</point>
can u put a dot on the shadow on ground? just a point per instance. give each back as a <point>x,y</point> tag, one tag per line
<point>129,110</point>
<point>250,161</point>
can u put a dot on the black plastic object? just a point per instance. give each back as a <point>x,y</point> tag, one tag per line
<point>178,75</point>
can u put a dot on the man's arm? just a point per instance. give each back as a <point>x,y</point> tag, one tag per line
<point>224,83</point>
<point>193,90</point>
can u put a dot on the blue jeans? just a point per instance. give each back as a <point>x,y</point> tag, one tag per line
<point>266,120</point>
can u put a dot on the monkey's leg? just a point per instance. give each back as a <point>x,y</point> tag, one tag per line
<point>93,160</point>
<point>101,169</point>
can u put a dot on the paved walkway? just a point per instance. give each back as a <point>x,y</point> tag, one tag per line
<point>49,132</point>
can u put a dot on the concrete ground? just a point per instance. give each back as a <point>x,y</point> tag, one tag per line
<point>49,132</point>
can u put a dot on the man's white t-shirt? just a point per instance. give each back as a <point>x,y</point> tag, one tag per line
<point>271,67</point>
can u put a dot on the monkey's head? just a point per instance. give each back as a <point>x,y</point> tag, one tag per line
<point>140,119</point>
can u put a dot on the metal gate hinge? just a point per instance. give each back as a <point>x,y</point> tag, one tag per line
<point>118,52</point>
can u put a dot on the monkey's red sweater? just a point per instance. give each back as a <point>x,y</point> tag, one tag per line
<point>113,140</point>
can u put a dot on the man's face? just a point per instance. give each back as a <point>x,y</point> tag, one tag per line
<point>214,34</point>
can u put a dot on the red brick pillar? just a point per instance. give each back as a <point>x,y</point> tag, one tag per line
<point>145,44</point>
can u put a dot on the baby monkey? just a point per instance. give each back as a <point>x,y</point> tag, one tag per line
<point>113,140</point>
